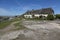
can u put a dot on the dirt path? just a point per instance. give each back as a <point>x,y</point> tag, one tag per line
<point>8,31</point>
<point>8,28</point>
<point>39,31</point>
<point>40,24</point>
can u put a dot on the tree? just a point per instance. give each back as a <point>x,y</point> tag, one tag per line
<point>50,17</point>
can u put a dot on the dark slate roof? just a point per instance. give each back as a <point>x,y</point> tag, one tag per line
<point>41,11</point>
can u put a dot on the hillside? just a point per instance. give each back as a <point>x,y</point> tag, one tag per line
<point>3,18</point>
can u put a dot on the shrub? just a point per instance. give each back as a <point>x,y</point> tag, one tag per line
<point>50,17</point>
<point>57,16</point>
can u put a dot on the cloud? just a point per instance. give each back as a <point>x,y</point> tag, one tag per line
<point>5,12</point>
<point>32,6</point>
<point>19,9</point>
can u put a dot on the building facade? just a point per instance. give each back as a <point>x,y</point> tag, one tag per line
<point>37,13</point>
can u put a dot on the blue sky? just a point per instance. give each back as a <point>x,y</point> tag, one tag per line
<point>18,7</point>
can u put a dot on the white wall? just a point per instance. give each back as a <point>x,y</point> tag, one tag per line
<point>45,15</point>
<point>28,16</point>
<point>37,15</point>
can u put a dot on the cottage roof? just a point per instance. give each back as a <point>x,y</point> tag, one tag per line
<point>41,11</point>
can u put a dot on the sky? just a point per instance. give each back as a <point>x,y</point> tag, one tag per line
<point>18,7</point>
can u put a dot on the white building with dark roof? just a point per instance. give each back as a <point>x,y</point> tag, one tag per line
<point>37,13</point>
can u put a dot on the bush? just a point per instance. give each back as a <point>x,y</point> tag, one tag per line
<point>57,16</point>
<point>50,17</point>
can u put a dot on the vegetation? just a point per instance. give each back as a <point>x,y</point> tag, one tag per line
<point>19,26</point>
<point>50,17</point>
<point>4,17</point>
<point>16,19</point>
<point>57,16</point>
<point>5,23</point>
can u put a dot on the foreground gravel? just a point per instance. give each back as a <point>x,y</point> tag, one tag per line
<point>37,30</point>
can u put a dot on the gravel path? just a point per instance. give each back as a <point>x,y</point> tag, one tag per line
<point>37,31</point>
<point>39,24</point>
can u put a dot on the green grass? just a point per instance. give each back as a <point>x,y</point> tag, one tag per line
<point>4,24</point>
<point>35,19</point>
<point>19,26</point>
<point>16,19</point>
<point>8,22</point>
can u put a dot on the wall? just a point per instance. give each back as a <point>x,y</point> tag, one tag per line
<point>28,16</point>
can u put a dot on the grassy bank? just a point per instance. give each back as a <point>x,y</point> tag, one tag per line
<point>3,24</point>
<point>19,26</point>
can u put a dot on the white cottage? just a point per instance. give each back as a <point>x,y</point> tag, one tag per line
<point>37,13</point>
